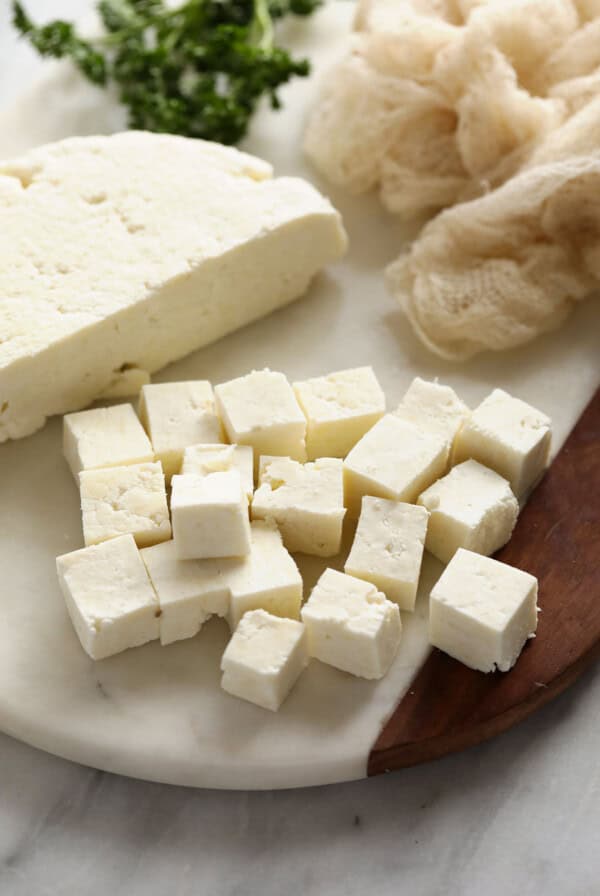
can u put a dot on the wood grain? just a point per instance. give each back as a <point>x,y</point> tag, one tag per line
<point>557,538</point>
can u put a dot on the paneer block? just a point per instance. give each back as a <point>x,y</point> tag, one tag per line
<point>109,597</point>
<point>134,250</point>
<point>351,625</point>
<point>395,460</point>
<point>205,459</point>
<point>120,500</point>
<point>339,409</point>
<point>264,659</point>
<point>472,507</point>
<point>189,591</point>
<point>176,415</point>
<point>435,407</point>
<point>482,612</point>
<point>104,437</point>
<point>266,579</point>
<point>210,516</point>
<point>388,548</point>
<point>260,409</point>
<point>305,500</point>
<point>509,436</point>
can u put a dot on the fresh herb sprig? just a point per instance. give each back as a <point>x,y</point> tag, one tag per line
<point>197,69</point>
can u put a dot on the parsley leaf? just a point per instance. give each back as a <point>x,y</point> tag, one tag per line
<point>197,69</point>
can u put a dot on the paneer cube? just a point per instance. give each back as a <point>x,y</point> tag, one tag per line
<point>205,459</point>
<point>104,437</point>
<point>351,625</point>
<point>395,460</point>
<point>482,612</point>
<point>339,408</point>
<point>305,500</point>
<point>210,516</point>
<point>189,591</point>
<point>435,407</point>
<point>120,500</point>
<point>264,659</point>
<point>260,409</point>
<point>509,436</point>
<point>176,415</point>
<point>266,579</point>
<point>109,597</point>
<point>471,507</point>
<point>388,548</point>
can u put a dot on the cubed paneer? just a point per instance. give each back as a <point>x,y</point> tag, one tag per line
<point>109,597</point>
<point>189,591</point>
<point>104,437</point>
<point>260,409</point>
<point>176,415</point>
<point>210,516</point>
<point>266,579</point>
<point>351,625</point>
<point>482,612</point>
<point>305,500</point>
<point>509,436</point>
<point>388,548</point>
<point>264,659</point>
<point>339,408</point>
<point>433,406</point>
<point>395,460</point>
<point>125,500</point>
<point>205,459</point>
<point>472,507</point>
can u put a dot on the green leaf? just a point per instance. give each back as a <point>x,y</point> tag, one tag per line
<point>197,69</point>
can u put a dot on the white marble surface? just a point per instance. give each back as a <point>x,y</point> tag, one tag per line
<point>519,815</point>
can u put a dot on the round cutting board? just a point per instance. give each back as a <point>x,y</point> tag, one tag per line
<point>159,713</point>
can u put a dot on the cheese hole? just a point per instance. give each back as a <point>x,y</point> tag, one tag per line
<point>3,407</point>
<point>95,198</point>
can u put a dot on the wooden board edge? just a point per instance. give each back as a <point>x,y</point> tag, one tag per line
<point>463,707</point>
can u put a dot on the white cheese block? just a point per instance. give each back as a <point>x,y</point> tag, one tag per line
<point>482,611</point>
<point>204,459</point>
<point>306,501</point>
<point>176,415</point>
<point>264,659</point>
<point>120,500</point>
<point>509,436</point>
<point>472,507</point>
<point>388,548</point>
<point>189,591</point>
<point>109,597</point>
<point>433,406</point>
<point>210,516</point>
<point>266,579</point>
<point>125,383</point>
<point>104,437</point>
<point>351,625</point>
<point>395,459</point>
<point>132,251</point>
<point>339,409</point>
<point>260,409</point>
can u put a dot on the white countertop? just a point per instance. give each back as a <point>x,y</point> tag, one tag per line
<point>517,815</point>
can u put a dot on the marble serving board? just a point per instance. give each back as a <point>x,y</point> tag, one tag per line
<point>159,713</point>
